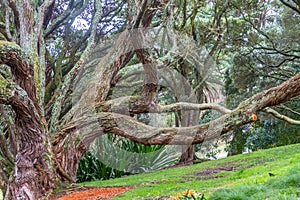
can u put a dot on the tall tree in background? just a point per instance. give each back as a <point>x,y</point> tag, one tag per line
<point>48,49</point>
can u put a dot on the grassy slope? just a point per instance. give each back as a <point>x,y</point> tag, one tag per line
<point>238,177</point>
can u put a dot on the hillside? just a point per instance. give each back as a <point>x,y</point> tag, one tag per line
<point>265,174</point>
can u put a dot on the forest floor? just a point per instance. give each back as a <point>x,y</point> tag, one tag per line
<point>265,174</point>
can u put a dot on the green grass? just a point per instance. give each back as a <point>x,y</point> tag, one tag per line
<point>238,177</point>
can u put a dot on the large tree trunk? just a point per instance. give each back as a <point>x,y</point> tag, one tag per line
<point>187,155</point>
<point>34,173</point>
<point>68,149</point>
<point>188,118</point>
<point>40,163</point>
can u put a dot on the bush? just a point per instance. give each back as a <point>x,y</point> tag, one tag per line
<point>114,156</point>
<point>90,169</point>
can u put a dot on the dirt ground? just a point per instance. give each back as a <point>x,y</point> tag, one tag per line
<point>90,193</point>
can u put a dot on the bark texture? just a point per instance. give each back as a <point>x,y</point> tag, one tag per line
<point>34,176</point>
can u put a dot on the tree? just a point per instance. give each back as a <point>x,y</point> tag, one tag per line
<point>265,60</point>
<point>49,118</point>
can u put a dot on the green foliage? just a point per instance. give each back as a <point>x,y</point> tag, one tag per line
<point>206,117</point>
<point>5,71</point>
<point>270,133</point>
<point>229,87</point>
<point>261,52</point>
<point>264,136</point>
<point>130,146</point>
<point>121,156</point>
<point>91,169</point>
<point>124,154</point>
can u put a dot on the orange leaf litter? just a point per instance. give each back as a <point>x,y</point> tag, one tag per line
<point>96,193</point>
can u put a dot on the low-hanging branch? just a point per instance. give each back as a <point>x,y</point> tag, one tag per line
<point>128,127</point>
<point>191,106</point>
<point>135,105</point>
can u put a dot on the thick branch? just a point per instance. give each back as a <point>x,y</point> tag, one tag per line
<point>192,106</point>
<point>135,105</point>
<point>108,67</point>
<point>273,96</point>
<point>12,56</point>
<point>12,94</point>
<point>125,49</point>
<point>150,68</point>
<point>245,113</point>
<point>32,163</point>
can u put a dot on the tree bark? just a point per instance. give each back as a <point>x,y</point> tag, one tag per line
<point>34,175</point>
<point>188,118</point>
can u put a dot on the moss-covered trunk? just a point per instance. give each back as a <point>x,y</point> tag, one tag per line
<point>33,175</point>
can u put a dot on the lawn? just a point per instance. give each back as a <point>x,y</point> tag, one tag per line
<point>265,174</point>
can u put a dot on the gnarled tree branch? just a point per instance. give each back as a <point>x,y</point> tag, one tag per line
<point>245,113</point>
<point>13,57</point>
